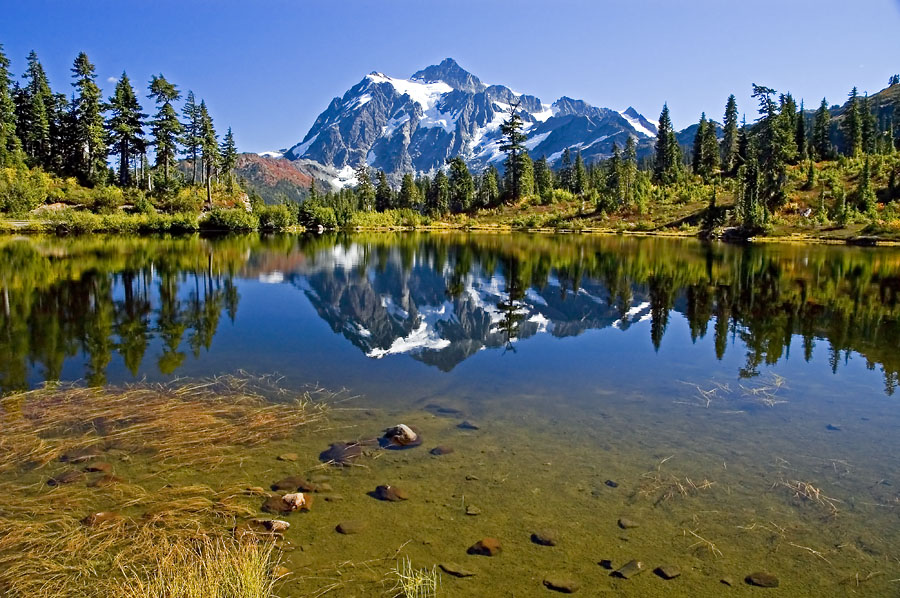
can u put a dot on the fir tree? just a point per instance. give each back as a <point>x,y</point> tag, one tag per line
<point>192,138</point>
<point>88,135</point>
<point>462,186</point>
<point>868,126</point>
<point>384,195</point>
<point>773,144</point>
<point>697,155</point>
<point>437,202</point>
<point>125,127</point>
<point>489,188</point>
<point>731,137</point>
<point>543,180</point>
<point>9,141</point>
<point>821,140</point>
<point>613,176</point>
<point>35,112</point>
<point>865,193</point>
<point>566,173</point>
<point>209,146</point>
<point>629,171</point>
<point>165,126</point>
<point>409,194</point>
<point>709,156</point>
<point>365,190</point>
<point>800,135</point>
<point>579,178</point>
<point>229,158</point>
<point>668,154</point>
<point>853,126</point>
<point>514,147</point>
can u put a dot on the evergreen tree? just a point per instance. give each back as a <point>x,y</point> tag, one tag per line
<point>750,211</point>
<point>489,189</point>
<point>229,158</point>
<point>731,138</point>
<point>165,126</point>
<point>787,124</point>
<point>613,183</point>
<point>88,135</point>
<point>514,147</point>
<point>462,186</point>
<point>579,175</point>
<point>709,156</point>
<point>192,138</point>
<point>384,195</point>
<point>668,154</point>
<point>800,135</point>
<point>209,146</point>
<point>821,140</point>
<point>773,143</point>
<point>125,127</point>
<point>868,126</point>
<point>543,180</point>
<point>629,171</point>
<point>409,194</point>
<point>853,126</point>
<point>437,202</point>
<point>9,141</point>
<point>566,172</point>
<point>697,155</point>
<point>866,194</point>
<point>34,115</point>
<point>365,190</point>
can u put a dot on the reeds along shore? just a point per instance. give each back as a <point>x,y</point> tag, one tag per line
<point>101,535</point>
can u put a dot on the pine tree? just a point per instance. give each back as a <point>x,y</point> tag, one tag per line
<point>229,158</point>
<point>750,211</point>
<point>165,126</point>
<point>800,135</point>
<point>566,173</point>
<point>409,194</point>
<point>89,135</point>
<point>579,175</point>
<point>489,188</point>
<point>192,138</point>
<point>709,161</point>
<point>868,126</point>
<point>697,155</point>
<point>853,126</point>
<point>668,154</point>
<point>365,190</point>
<point>209,146</point>
<point>613,183</point>
<point>773,143</point>
<point>731,138</point>
<point>821,139</point>
<point>437,202</point>
<point>462,186</point>
<point>865,193</point>
<point>629,171</point>
<point>543,180</point>
<point>787,124</point>
<point>384,195</point>
<point>35,112</point>
<point>125,127</point>
<point>514,147</point>
<point>9,141</point>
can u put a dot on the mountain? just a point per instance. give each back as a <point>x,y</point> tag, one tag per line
<point>415,124</point>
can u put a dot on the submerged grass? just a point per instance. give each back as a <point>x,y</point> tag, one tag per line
<point>415,583</point>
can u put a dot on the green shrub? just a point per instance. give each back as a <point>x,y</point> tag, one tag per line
<point>229,219</point>
<point>312,216</point>
<point>173,223</point>
<point>22,190</point>
<point>185,199</point>
<point>74,221</point>
<point>277,217</point>
<point>107,200</point>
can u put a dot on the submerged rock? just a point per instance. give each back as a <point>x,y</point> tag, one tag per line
<point>66,477</point>
<point>295,484</point>
<point>611,484</point>
<point>342,453</point>
<point>276,526</point>
<point>485,547</point>
<point>389,493</point>
<point>563,584</point>
<point>468,425</point>
<point>606,564</point>
<point>105,480</point>
<point>288,457</point>
<point>284,505</point>
<point>472,510</point>
<point>351,527</point>
<point>100,467</point>
<point>629,569</point>
<point>456,570</point>
<point>762,579</point>
<point>79,455</point>
<point>401,436</point>
<point>668,571</point>
<point>441,450</point>
<point>545,537</point>
<point>626,523</point>
<point>833,428</point>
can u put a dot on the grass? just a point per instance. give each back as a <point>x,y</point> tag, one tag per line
<point>415,583</point>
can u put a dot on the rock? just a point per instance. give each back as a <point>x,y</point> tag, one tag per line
<point>833,428</point>
<point>104,481</point>
<point>294,484</point>
<point>456,570</point>
<point>402,435</point>
<point>606,564</point>
<point>563,584</point>
<point>468,425</point>
<point>728,581</point>
<point>668,571</point>
<point>288,457</point>
<point>485,547</point>
<point>629,569</point>
<point>298,501</point>
<point>389,493</point>
<point>472,478</point>
<point>611,484</point>
<point>341,453</point>
<point>443,410</point>
<point>100,467</point>
<point>280,572</point>
<point>545,537</point>
<point>441,450</point>
<point>276,506</point>
<point>351,527</point>
<point>66,477</point>
<point>762,579</point>
<point>472,510</point>
<point>101,518</point>
<point>626,523</point>
<point>334,498</point>
<point>276,526</point>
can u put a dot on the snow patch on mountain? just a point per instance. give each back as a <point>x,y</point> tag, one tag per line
<point>637,125</point>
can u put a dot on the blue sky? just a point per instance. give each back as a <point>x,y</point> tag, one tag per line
<point>267,68</point>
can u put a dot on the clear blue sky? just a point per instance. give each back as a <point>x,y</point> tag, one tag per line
<point>267,68</point>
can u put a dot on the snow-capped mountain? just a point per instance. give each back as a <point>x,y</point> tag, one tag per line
<point>415,124</point>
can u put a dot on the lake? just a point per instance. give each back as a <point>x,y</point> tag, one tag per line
<point>722,409</point>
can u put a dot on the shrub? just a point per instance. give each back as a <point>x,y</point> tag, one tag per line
<point>74,221</point>
<point>22,190</point>
<point>107,199</point>
<point>229,219</point>
<point>312,215</point>
<point>277,217</point>
<point>186,199</point>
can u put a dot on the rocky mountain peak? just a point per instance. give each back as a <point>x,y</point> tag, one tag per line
<point>449,72</point>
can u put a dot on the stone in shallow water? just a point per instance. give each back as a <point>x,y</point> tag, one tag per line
<point>67,477</point>
<point>295,484</point>
<point>545,537</point>
<point>626,523</point>
<point>762,579</point>
<point>288,457</point>
<point>485,547</point>
<point>668,571</point>
<point>833,428</point>
<point>473,510</point>
<point>351,527</point>
<point>629,569</point>
<point>468,425</point>
<point>606,564</point>
<point>104,481</point>
<point>456,570</point>
<point>341,453</point>
<point>402,436</point>
<point>561,583</point>
<point>389,493</point>
<point>99,467</point>
<point>611,484</point>
<point>441,450</point>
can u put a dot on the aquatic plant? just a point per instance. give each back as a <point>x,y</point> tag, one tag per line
<point>415,583</point>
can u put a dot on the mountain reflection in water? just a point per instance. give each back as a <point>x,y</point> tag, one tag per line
<point>97,307</point>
